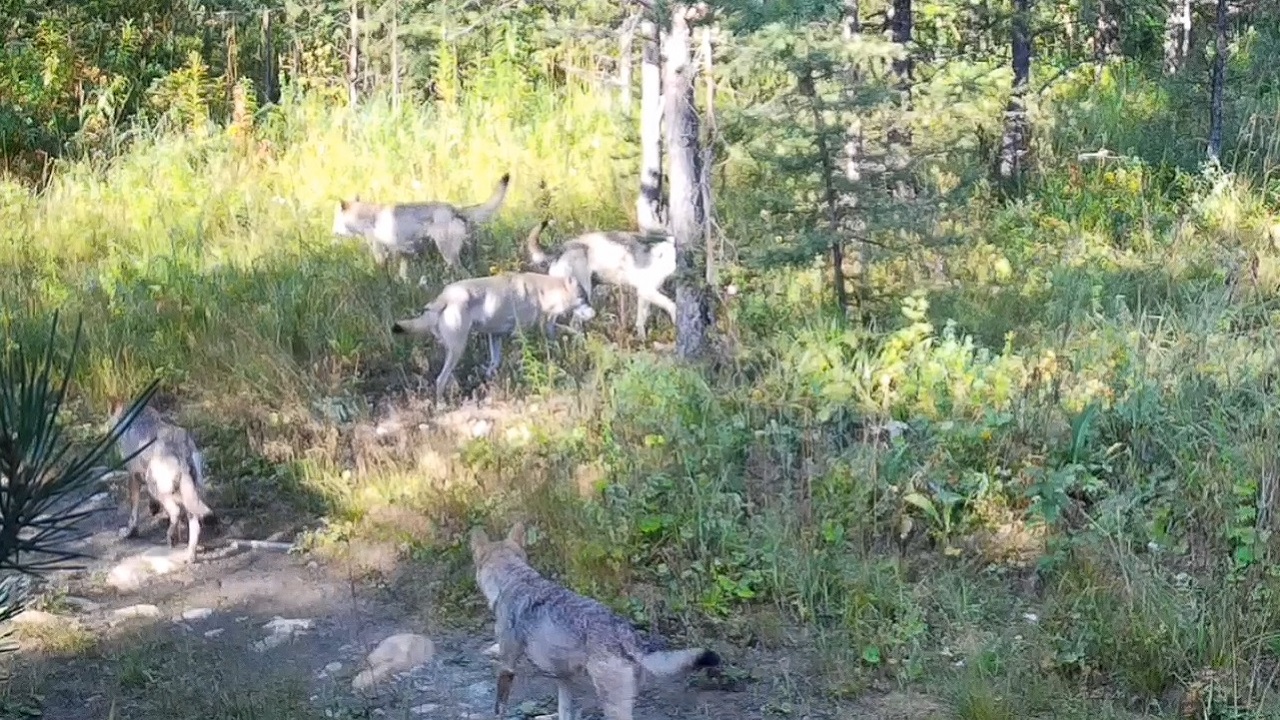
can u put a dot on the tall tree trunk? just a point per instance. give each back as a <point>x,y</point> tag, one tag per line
<point>708,160</point>
<point>649,209</point>
<point>831,197</point>
<point>688,214</point>
<point>1217,85</point>
<point>1177,36</point>
<point>899,136</point>
<point>1016,139</point>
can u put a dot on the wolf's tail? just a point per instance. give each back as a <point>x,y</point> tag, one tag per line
<point>484,212</point>
<point>192,501</point>
<point>665,663</point>
<point>424,324</point>
<point>536,254</point>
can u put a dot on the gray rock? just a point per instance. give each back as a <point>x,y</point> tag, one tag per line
<point>393,655</point>
<point>142,610</point>
<point>197,613</point>
<point>34,617</point>
<point>82,605</point>
<point>132,572</point>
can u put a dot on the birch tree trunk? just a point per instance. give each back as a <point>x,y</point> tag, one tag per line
<point>688,214</point>
<point>626,39</point>
<point>649,210</point>
<point>1177,36</point>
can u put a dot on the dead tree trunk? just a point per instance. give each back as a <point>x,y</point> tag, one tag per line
<point>708,160</point>
<point>353,56</point>
<point>649,210</point>
<point>1217,85</point>
<point>1177,36</point>
<point>1016,140</point>
<point>688,214</point>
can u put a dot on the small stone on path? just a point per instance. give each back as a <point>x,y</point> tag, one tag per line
<point>142,610</point>
<point>197,613</point>
<point>132,572</point>
<point>396,654</point>
<point>34,617</point>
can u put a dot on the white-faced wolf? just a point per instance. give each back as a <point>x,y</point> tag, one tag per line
<point>401,230</point>
<point>626,259</point>
<point>497,306</point>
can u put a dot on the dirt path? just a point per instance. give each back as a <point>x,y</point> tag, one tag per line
<point>192,642</point>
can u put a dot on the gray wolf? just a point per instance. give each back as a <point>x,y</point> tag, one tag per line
<point>628,259</point>
<point>170,466</point>
<point>495,305</point>
<point>401,230</point>
<point>566,635</point>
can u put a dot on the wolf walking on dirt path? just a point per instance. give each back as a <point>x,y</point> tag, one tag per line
<point>567,635</point>
<point>170,466</point>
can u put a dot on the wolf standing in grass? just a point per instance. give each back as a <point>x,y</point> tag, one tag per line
<point>640,261</point>
<point>567,635</point>
<point>400,230</point>
<point>171,467</point>
<point>496,305</point>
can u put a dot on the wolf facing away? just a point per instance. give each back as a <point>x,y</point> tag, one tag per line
<point>172,470</point>
<point>496,305</point>
<point>627,259</point>
<point>566,635</point>
<point>400,230</point>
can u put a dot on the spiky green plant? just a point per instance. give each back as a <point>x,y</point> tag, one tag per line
<point>45,478</point>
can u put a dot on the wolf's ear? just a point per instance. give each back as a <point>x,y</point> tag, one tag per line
<point>478,537</point>
<point>343,205</point>
<point>516,534</point>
